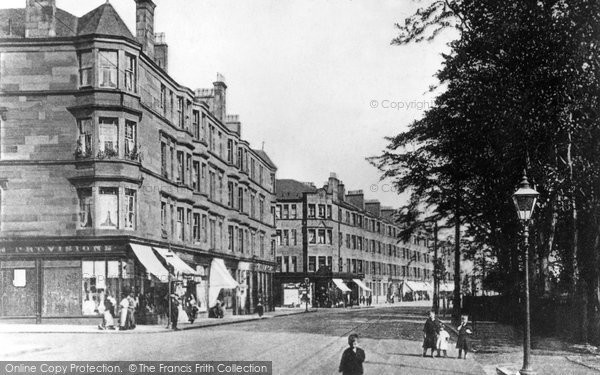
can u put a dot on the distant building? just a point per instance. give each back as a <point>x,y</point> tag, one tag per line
<point>114,178</point>
<point>348,247</point>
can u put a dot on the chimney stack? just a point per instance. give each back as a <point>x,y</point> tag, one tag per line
<point>40,19</point>
<point>161,51</point>
<point>144,25</point>
<point>220,99</point>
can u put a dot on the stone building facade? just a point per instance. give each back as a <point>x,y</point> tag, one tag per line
<point>115,178</point>
<point>344,243</point>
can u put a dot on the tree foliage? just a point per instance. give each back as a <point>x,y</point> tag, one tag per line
<point>522,92</point>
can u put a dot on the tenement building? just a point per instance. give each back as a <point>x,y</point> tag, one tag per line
<point>116,179</point>
<point>347,248</point>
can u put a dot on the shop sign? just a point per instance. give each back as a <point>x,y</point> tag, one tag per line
<point>58,249</point>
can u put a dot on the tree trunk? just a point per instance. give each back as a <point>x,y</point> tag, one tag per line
<point>456,311</point>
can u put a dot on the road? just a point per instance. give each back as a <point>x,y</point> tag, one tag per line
<point>299,344</point>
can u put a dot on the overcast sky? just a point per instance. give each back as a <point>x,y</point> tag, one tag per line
<point>304,75</point>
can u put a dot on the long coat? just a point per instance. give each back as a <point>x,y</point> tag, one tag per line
<point>431,329</point>
<point>352,362</point>
<point>464,342</point>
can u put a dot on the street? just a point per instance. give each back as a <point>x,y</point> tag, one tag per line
<point>299,344</point>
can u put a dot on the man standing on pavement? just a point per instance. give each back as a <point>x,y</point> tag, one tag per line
<point>430,332</point>
<point>174,313</point>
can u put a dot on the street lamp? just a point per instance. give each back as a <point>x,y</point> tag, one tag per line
<point>525,198</point>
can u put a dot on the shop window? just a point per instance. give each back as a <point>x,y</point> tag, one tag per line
<point>130,208</point>
<point>85,207</point>
<point>99,280</point>
<point>86,64</point>
<point>84,139</point>
<point>130,73</point>
<point>107,65</point>
<point>109,135</point>
<point>131,150</point>
<point>19,278</point>
<point>108,208</point>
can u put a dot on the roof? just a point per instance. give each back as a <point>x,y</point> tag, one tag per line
<point>103,20</point>
<point>263,155</point>
<point>292,189</point>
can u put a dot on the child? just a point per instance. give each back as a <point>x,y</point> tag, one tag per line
<point>353,358</point>
<point>442,341</point>
<point>464,331</point>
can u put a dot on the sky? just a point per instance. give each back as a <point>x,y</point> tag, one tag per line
<point>316,80</point>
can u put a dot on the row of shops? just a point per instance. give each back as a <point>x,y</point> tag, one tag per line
<point>57,282</point>
<point>345,290</point>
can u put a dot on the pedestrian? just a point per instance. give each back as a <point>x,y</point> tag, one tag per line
<point>352,358</point>
<point>131,307</point>
<point>108,321</point>
<point>442,341</point>
<point>259,307</point>
<point>174,313</point>
<point>463,343</point>
<point>124,305</point>
<point>430,332</point>
<point>191,307</point>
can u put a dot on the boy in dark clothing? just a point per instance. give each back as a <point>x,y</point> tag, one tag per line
<point>430,332</point>
<point>464,331</point>
<point>353,358</point>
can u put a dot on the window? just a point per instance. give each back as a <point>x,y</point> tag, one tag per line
<point>163,159</point>
<point>286,237</point>
<point>180,167</point>
<point>84,142</point>
<point>188,170</point>
<point>329,211</point>
<point>129,208</point>
<point>312,264</point>
<point>278,237</point>
<point>163,99</point>
<point>321,233</point>
<point>204,228</point>
<point>163,218</point>
<point>253,169</point>
<point>180,223</point>
<point>312,238</point>
<point>241,199</point>
<point>196,176</point>
<point>86,63</point>
<point>180,116</point>
<point>322,210</point>
<point>241,240</point>
<point>260,174</point>
<point>220,145</point>
<point>311,210</point>
<point>130,75</point>
<point>230,238</point>
<point>85,207</point>
<point>196,116</point>
<point>108,208</point>
<point>322,262</point>
<point>230,151</point>
<point>329,236</point>
<point>261,209</point>
<point>294,214</point>
<point>286,211</point>
<point>107,65</point>
<point>294,264</point>
<point>278,211</point>
<point>211,186</point>
<point>230,194</point>
<point>213,234</point>
<point>294,237</point>
<point>196,233</point>
<point>130,146</point>
<point>108,134</point>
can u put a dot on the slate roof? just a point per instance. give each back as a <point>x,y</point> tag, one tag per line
<point>263,155</point>
<point>103,20</point>
<point>292,189</point>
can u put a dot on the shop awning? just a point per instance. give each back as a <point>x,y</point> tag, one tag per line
<point>179,266</point>
<point>220,278</point>
<point>361,285</point>
<point>447,287</point>
<point>340,284</point>
<point>418,286</point>
<point>153,266</point>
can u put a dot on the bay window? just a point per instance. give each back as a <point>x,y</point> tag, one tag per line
<point>84,142</point>
<point>130,144</point>
<point>129,209</point>
<point>130,73</point>
<point>107,67</point>
<point>109,136</point>
<point>85,207</point>
<point>108,208</point>
<point>86,64</point>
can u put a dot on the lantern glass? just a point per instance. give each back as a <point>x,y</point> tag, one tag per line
<point>525,199</point>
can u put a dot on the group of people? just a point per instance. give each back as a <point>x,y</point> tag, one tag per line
<point>190,306</point>
<point>126,312</point>
<point>436,337</point>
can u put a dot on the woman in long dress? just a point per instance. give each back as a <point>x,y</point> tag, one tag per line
<point>123,315</point>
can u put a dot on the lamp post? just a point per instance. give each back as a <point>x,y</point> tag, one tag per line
<point>525,198</point>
